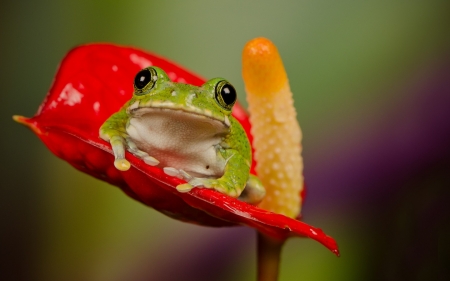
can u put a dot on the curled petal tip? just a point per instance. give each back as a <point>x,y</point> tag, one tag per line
<point>20,119</point>
<point>28,123</point>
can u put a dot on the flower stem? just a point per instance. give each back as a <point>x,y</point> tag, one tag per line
<point>269,252</point>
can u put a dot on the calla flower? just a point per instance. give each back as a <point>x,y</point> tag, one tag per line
<point>92,83</point>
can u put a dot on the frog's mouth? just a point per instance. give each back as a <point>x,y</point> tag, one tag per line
<point>217,120</point>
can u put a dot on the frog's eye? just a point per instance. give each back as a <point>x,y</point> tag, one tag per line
<point>225,94</point>
<point>145,80</point>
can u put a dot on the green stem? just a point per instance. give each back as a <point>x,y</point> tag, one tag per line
<point>269,252</point>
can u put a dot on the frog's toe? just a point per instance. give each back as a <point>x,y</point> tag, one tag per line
<point>152,161</point>
<point>220,186</point>
<point>200,182</point>
<point>149,160</point>
<point>173,172</point>
<point>185,187</point>
<point>122,164</point>
<point>184,175</point>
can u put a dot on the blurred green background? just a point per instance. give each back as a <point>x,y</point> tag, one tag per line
<point>354,67</point>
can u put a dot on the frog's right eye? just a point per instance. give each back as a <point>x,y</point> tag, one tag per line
<point>225,94</point>
<point>145,80</point>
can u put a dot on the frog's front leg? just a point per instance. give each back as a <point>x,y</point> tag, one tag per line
<point>232,182</point>
<point>114,132</point>
<point>118,146</point>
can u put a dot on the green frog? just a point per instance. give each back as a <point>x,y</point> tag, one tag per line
<point>186,130</point>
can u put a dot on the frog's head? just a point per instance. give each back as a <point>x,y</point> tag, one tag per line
<point>153,90</point>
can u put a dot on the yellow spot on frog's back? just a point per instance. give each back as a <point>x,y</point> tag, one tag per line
<point>208,112</point>
<point>156,103</point>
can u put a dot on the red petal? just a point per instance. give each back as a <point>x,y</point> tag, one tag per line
<point>93,82</point>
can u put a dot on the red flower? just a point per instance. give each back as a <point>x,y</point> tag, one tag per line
<point>92,83</point>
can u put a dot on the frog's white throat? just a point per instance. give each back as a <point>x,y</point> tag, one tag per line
<point>179,139</point>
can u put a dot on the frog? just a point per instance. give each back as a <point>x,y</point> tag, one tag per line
<point>186,130</point>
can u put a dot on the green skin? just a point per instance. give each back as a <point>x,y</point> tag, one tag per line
<point>189,132</point>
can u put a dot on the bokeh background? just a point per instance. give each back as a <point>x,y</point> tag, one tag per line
<point>372,88</point>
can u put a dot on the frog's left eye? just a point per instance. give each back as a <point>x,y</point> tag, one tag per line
<point>225,94</point>
<point>145,80</point>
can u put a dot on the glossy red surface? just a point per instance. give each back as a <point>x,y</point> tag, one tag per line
<point>92,83</point>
